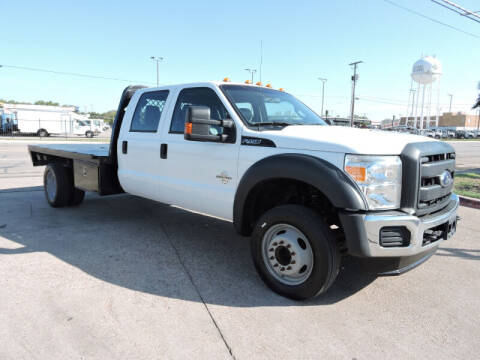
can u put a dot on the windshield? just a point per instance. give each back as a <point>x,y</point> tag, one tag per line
<point>262,106</point>
<point>81,123</point>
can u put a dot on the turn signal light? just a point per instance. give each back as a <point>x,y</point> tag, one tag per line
<point>188,128</point>
<point>248,81</point>
<point>227,79</point>
<point>268,85</point>
<point>259,83</point>
<point>357,172</point>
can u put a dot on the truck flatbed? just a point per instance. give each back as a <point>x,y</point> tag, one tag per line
<point>91,164</point>
<point>73,151</point>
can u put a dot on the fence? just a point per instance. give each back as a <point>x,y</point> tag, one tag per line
<point>70,129</point>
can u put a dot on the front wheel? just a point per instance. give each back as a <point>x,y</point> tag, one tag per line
<point>89,134</point>
<point>295,252</point>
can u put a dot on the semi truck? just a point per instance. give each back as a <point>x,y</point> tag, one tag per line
<point>305,194</point>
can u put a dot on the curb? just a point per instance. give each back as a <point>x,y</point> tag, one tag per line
<point>470,202</point>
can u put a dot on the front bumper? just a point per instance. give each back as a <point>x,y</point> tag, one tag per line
<point>362,231</point>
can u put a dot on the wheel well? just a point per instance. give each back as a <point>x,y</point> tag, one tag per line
<point>269,194</point>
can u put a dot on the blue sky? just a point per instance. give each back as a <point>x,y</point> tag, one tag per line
<point>208,40</point>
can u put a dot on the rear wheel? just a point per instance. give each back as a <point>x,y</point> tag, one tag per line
<point>295,252</point>
<point>42,133</point>
<point>89,134</point>
<point>57,185</point>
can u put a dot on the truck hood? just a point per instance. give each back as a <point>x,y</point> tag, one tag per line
<point>340,139</point>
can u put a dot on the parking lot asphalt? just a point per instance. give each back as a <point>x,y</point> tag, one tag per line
<point>124,277</point>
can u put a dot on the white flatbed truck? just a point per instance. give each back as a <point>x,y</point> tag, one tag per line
<point>306,193</point>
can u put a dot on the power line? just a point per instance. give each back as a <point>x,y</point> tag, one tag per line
<point>458,9</point>
<point>431,19</point>
<point>72,74</point>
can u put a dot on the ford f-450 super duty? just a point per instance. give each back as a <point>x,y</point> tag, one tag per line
<point>306,193</point>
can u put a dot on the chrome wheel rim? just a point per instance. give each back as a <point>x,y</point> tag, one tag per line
<point>287,254</point>
<point>51,186</point>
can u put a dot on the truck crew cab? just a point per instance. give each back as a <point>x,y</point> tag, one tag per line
<point>305,192</point>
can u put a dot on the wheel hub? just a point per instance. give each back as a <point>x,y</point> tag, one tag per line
<point>287,254</point>
<point>51,186</point>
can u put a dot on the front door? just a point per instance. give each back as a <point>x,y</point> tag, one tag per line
<point>200,176</point>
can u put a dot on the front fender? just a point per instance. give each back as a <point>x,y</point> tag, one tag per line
<point>337,187</point>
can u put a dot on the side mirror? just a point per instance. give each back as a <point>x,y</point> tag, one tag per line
<point>200,127</point>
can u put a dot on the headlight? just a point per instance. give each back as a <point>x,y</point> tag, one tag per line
<point>379,177</point>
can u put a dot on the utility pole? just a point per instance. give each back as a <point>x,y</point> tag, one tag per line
<point>252,72</point>
<point>157,59</point>
<point>450,108</point>
<point>323,80</point>
<point>354,81</point>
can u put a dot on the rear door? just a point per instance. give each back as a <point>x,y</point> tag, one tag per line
<point>138,147</point>
<point>200,176</point>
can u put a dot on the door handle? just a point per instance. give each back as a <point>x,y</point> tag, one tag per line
<point>163,151</point>
<point>124,147</point>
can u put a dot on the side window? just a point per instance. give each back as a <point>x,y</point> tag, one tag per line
<point>148,111</point>
<point>196,96</point>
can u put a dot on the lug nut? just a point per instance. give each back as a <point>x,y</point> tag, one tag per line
<point>275,265</point>
<point>281,242</point>
<point>293,253</point>
<point>272,257</point>
<point>292,262</point>
<point>275,244</point>
<point>289,268</point>
<point>282,269</point>
<point>271,250</point>
<point>289,246</point>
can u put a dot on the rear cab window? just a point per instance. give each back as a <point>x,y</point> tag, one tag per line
<point>148,111</point>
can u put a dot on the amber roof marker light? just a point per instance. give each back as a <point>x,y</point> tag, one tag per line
<point>226,79</point>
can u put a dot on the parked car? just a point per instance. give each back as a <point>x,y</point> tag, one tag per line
<point>305,192</point>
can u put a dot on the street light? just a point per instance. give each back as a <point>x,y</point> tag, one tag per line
<point>450,108</point>
<point>252,72</point>
<point>323,80</point>
<point>157,59</point>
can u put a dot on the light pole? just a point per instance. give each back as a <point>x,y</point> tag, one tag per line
<point>157,59</point>
<point>450,108</point>
<point>323,80</point>
<point>252,72</point>
<point>354,81</point>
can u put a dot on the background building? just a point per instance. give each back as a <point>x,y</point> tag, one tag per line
<point>448,119</point>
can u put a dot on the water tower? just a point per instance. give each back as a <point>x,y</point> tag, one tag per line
<point>425,73</point>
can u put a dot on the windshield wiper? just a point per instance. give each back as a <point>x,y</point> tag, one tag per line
<point>273,123</point>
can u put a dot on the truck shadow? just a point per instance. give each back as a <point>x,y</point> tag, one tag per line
<point>153,248</point>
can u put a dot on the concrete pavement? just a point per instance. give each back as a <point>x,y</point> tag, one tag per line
<point>124,277</point>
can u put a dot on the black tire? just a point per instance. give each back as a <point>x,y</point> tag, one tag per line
<point>77,197</point>
<point>89,134</point>
<point>57,185</point>
<point>42,133</point>
<point>326,254</point>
